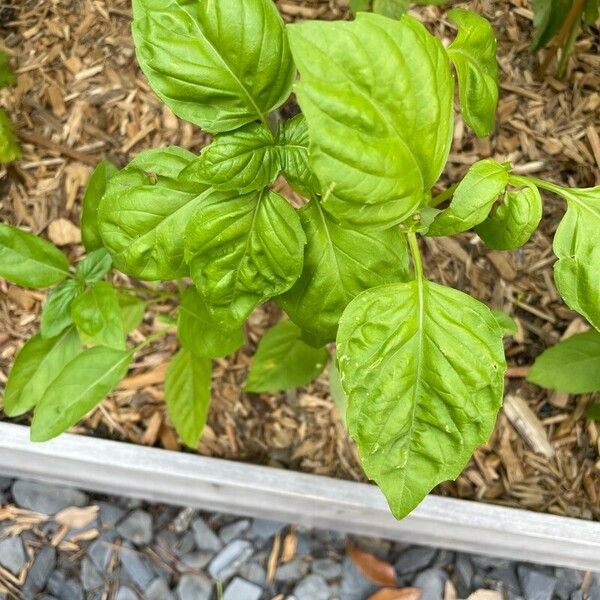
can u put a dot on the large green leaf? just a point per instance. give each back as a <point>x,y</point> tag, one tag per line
<point>473,199</point>
<point>423,367</point>
<point>512,223</point>
<point>242,250</point>
<point>244,160</point>
<point>577,246</point>
<point>473,53</point>
<point>225,66</point>
<point>35,368</point>
<point>144,213</point>
<point>548,18</point>
<point>339,264</point>
<point>97,314</point>
<point>56,312</point>
<point>187,395</point>
<point>30,261</point>
<point>96,188</point>
<point>200,333</point>
<point>78,388</point>
<point>378,98</point>
<point>283,361</point>
<point>9,146</point>
<point>572,366</point>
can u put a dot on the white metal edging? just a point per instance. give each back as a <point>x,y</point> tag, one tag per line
<point>190,480</point>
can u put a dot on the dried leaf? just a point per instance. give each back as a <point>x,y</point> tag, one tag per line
<point>374,569</point>
<point>408,593</point>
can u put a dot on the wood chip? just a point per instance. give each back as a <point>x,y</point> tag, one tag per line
<point>373,568</point>
<point>62,232</point>
<point>76,518</point>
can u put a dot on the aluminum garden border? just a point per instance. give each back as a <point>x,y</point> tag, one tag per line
<point>189,480</point>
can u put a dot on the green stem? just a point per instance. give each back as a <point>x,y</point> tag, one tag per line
<point>544,185</point>
<point>416,256</point>
<point>157,295</point>
<point>443,196</point>
<point>151,338</point>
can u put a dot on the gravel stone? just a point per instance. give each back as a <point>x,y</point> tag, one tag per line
<point>594,592</point>
<point>577,595</point>
<point>193,587</point>
<point>137,567</point>
<point>488,562</point>
<point>226,564</point>
<point>354,585</point>
<point>253,572</point>
<point>5,483</point>
<point>415,558</point>
<point>536,584</point>
<point>46,499</point>
<point>12,554</point>
<point>158,590</point>
<point>313,587</point>
<point>507,576</point>
<point>137,528</point>
<point>463,575</point>
<point>432,583</point>
<point>90,577</point>
<point>126,593</point>
<point>327,568</point>
<point>263,529</point>
<point>292,571</point>
<point>195,560</point>
<point>205,537</point>
<point>185,544</point>
<point>100,553</point>
<point>234,530</point>
<point>40,571</point>
<point>110,514</point>
<point>239,589</point>
<point>71,590</point>
<point>569,581</point>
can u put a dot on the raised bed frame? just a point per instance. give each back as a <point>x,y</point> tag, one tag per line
<point>190,480</point>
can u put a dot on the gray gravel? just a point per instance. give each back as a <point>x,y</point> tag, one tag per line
<point>128,550</point>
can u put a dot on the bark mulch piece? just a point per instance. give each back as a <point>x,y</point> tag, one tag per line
<point>80,96</point>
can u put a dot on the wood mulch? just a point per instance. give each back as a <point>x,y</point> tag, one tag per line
<point>80,97</point>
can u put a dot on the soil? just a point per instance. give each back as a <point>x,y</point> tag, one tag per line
<point>80,97</point>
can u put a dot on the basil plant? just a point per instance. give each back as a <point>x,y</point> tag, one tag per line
<point>420,365</point>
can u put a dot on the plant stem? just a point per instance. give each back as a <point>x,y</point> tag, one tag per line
<point>416,256</point>
<point>443,196</point>
<point>151,338</point>
<point>157,295</point>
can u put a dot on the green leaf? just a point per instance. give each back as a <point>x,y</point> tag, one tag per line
<point>7,76</point>
<point>572,366</point>
<point>339,264</point>
<point>577,246</point>
<point>473,199</point>
<point>97,314</point>
<point>56,313</point>
<point>506,322</point>
<point>242,250</point>
<point>222,66</point>
<point>548,18</point>
<point>380,130</point>
<point>593,412</point>
<point>473,54</point>
<point>359,5</point>
<point>132,311</point>
<point>35,368</point>
<point>511,224</point>
<point>94,266</point>
<point>244,160</point>
<point>336,390</point>
<point>418,403</point>
<point>283,361</point>
<point>591,12</point>
<point>187,395</point>
<point>144,213</point>
<point>78,388</point>
<point>9,146</point>
<point>200,333</point>
<point>293,148</point>
<point>391,8</point>
<point>96,188</point>
<point>30,261</point>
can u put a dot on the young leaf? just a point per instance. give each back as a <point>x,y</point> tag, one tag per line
<point>56,313</point>
<point>7,76</point>
<point>418,403</point>
<point>506,322</point>
<point>187,395</point>
<point>391,8</point>
<point>9,147</point>
<point>293,143</point>
<point>244,160</point>
<point>473,54</point>
<point>548,17</point>
<point>242,250</point>
<point>577,246</point>
<point>572,366</point>
<point>512,223</point>
<point>132,311</point>
<point>79,387</point>
<point>283,361</point>
<point>200,333</point>
<point>30,261</point>
<point>473,199</point>
<point>35,368</point>
<point>221,66</point>
<point>380,130</point>
<point>96,188</point>
<point>339,264</point>
<point>94,266</point>
<point>97,314</point>
<point>144,212</point>
<point>336,390</point>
